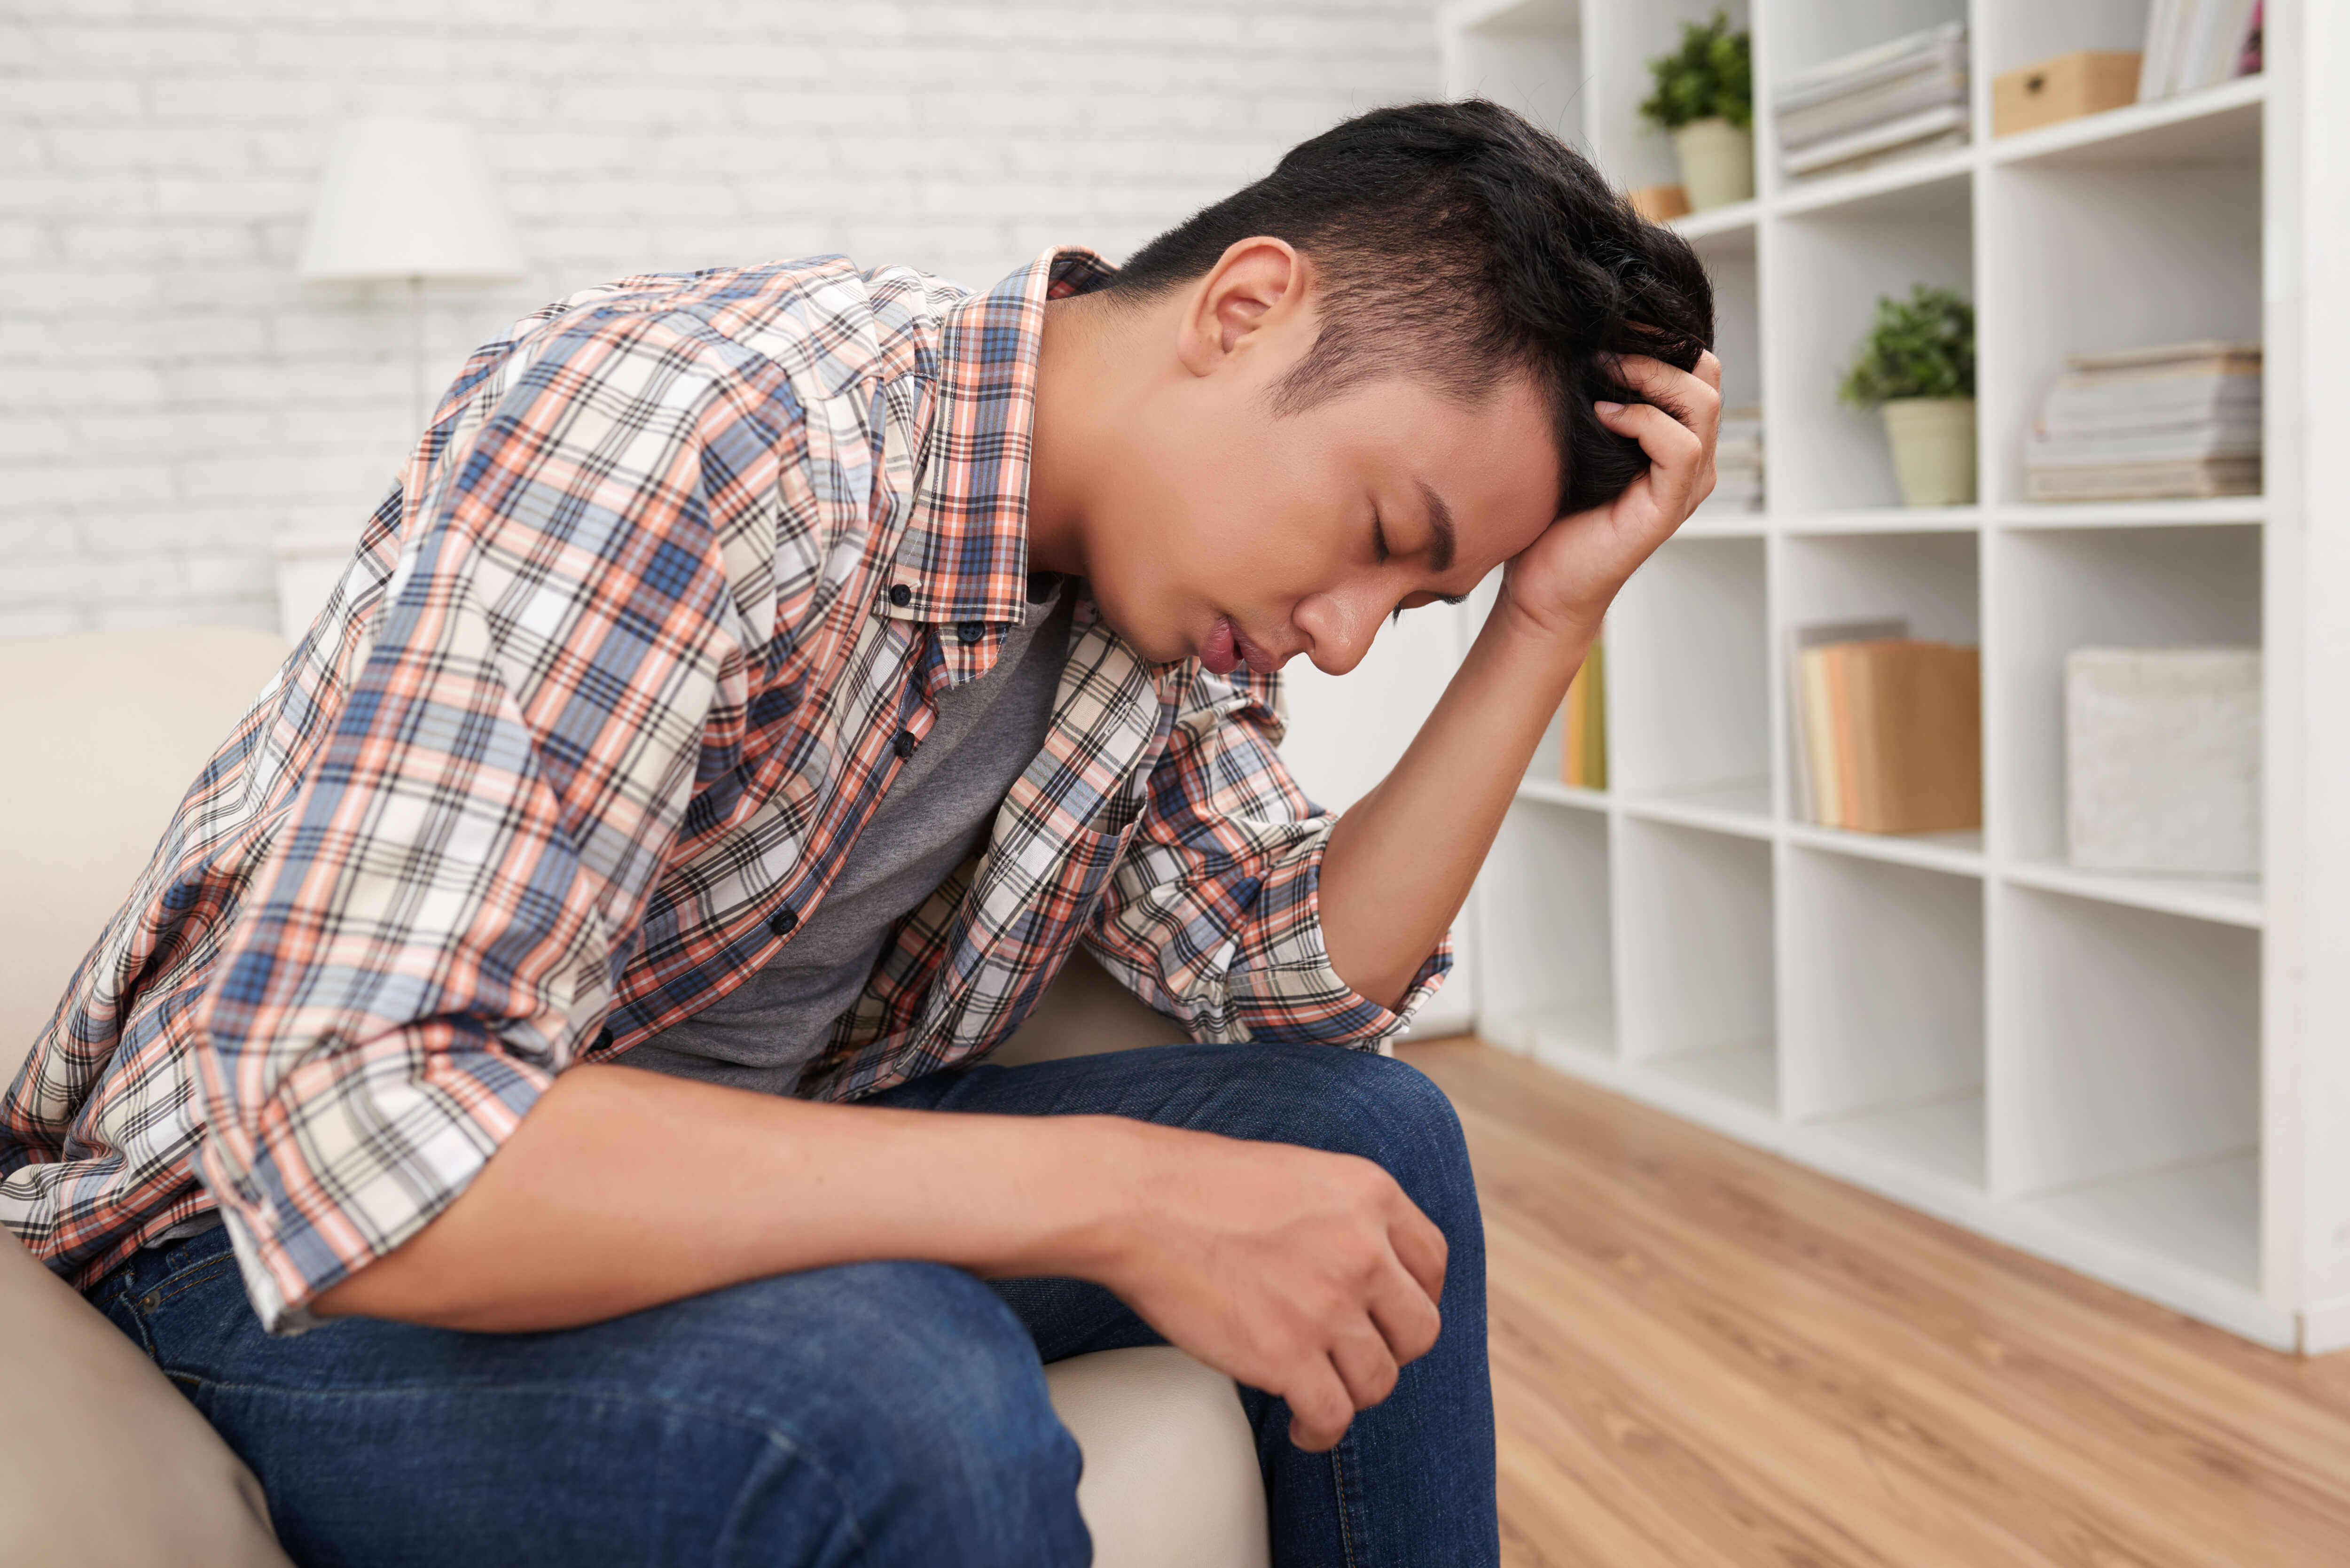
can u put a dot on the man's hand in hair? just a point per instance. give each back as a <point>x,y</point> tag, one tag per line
<point>1566,579</point>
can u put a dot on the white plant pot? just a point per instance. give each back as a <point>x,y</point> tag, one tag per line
<point>1717,162</point>
<point>1933,443</point>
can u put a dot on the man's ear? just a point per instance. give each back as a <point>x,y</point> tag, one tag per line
<point>1256,286</point>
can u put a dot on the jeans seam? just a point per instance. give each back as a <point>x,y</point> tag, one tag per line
<point>731,1533</point>
<point>1346,1514</point>
<point>189,1278</point>
<point>123,1297</point>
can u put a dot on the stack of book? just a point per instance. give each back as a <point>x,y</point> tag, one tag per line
<point>1897,98</point>
<point>2179,421</point>
<point>2196,44</point>
<point>1888,730</point>
<point>1583,756</point>
<point>1738,461</point>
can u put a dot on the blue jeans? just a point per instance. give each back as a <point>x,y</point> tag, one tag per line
<point>890,1413</point>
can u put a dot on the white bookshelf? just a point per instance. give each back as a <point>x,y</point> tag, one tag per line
<point>2144,1080</point>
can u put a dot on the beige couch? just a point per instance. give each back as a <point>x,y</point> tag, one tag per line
<point>107,1464</point>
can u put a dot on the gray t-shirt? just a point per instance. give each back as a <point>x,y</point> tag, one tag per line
<point>941,805</point>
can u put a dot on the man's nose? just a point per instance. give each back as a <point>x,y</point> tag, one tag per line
<point>1338,630</point>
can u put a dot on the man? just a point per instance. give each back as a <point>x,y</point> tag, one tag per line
<point>533,1102</point>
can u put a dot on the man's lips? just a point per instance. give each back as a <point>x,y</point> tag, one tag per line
<point>1226,647</point>
<point>1220,649</point>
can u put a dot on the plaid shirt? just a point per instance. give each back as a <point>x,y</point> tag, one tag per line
<point>620,671</point>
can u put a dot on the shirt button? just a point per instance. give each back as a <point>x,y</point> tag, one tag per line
<point>604,1040</point>
<point>971,630</point>
<point>782,922</point>
<point>901,594</point>
<point>905,743</point>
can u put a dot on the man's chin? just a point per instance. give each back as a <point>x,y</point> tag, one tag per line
<point>1153,645</point>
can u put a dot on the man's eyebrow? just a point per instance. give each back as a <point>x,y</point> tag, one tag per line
<point>1439,518</point>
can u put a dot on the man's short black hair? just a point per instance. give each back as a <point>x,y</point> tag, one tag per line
<point>1458,243</point>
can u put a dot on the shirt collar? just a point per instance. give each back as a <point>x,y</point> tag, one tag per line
<point>964,554</point>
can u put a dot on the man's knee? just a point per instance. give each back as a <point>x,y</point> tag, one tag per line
<point>1390,1113</point>
<point>941,1435</point>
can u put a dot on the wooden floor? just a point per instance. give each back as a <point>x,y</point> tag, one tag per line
<point>1705,1355</point>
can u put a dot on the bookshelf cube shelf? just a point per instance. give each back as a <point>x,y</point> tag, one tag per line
<point>1552,964</point>
<point>1695,979</point>
<point>2128,1077</point>
<point>2146,1079</point>
<point>1884,1009</point>
<point>1927,580</point>
<point>1691,628</point>
<point>1827,267</point>
<point>2106,587</point>
<point>2164,246</point>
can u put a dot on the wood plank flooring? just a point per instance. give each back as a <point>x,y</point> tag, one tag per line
<point>1704,1356</point>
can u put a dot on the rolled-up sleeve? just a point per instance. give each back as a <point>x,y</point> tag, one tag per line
<point>448,903</point>
<point>1213,915</point>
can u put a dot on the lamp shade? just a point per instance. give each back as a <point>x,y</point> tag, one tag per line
<point>407,197</point>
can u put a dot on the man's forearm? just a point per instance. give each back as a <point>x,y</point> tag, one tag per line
<point>1305,1273</point>
<point>624,1189</point>
<point>1401,859</point>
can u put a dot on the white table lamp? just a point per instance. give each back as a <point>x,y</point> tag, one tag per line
<point>407,200</point>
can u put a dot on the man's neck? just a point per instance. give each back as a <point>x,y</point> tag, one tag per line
<point>1085,364</point>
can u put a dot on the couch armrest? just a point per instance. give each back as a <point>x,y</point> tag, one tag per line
<point>1172,1478</point>
<point>106,1462</point>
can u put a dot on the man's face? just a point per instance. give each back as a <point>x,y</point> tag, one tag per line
<point>1225,532</point>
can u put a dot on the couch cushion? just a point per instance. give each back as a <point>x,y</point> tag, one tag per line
<point>107,1463</point>
<point>1172,1478</point>
<point>100,734</point>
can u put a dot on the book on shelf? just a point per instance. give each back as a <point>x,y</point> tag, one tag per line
<point>1804,772</point>
<point>2181,419</point>
<point>1900,97</point>
<point>1738,461</point>
<point>1944,126</point>
<point>2196,44</point>
<point>1892,731</point>
<point>1583,756</point>
<point>2208,479</point>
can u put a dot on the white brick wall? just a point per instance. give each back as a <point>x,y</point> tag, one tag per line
<point>171,397</point>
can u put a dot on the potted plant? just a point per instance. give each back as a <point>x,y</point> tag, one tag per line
<point>1917,364</point>
<point>1705,99</point>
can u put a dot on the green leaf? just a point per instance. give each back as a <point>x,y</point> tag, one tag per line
<point>1923,346</point>
<point>1710,73</point>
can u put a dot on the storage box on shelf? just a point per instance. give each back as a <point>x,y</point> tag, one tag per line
<point>2068,86</point>
<point>2120,1073</point>
<point>2162,761</point>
